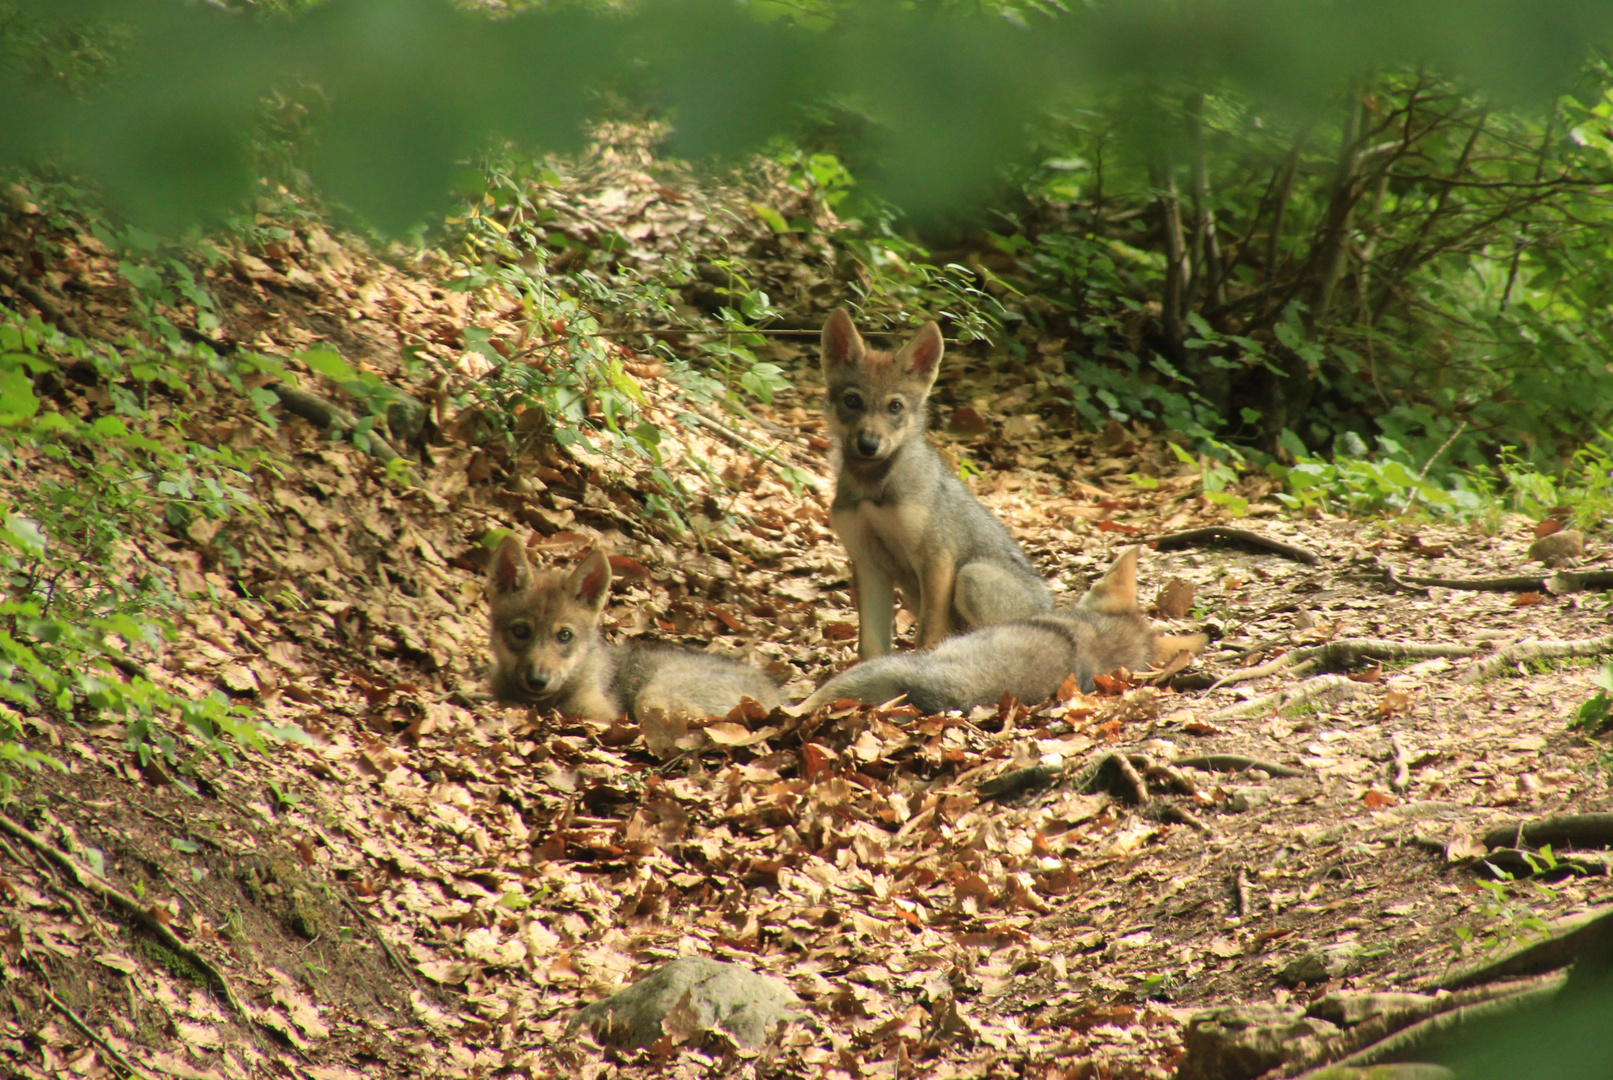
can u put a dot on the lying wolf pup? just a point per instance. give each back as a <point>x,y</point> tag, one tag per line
<point>548,652</point>
<point>1029,658</point>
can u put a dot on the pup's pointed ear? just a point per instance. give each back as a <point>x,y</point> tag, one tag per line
<point>509,572</point>
<point>841,342</point>
<point>1115,593</point>
<point>922,355</point>
<point>590,582</point>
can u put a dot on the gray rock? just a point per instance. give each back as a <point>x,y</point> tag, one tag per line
<point>1242,1041</point>
<point>1319,965</point>
<point>1559,547</point>
<point>689,999</point>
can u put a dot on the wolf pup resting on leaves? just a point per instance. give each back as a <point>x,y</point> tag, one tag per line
<point>548,652</point>
<point>904,518</point>
<point>1029,659</point>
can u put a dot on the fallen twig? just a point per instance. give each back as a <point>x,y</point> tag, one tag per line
<point>1401,779</point>
<point>1300,693</point>
<point>1537,650</point>
<point>1343,653</point>
<point>79,1022</point>
<point>1240,894</point>
<point>91,882</point>
<point>1222,534</point>
<point>1236,763</point>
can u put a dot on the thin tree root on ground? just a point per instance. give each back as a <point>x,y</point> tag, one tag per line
<point>1343,653</point>
<point>1212,534</point>
<point>1565,830</point>
<point>1565,581</point>
<point>113,1053</point>
<point>91,882</point>
<point>1537,650</point>
<point>1299,694</point>
<point>1236,763</point>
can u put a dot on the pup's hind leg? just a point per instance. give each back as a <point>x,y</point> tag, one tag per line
<point>986,594</point>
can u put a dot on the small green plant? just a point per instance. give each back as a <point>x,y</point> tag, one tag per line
<point>1595,715</point>
<point>1507,920</point>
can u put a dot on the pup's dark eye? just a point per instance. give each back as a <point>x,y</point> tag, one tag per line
<point>852,400</point>
<point>564,636</point>
<point>520,631</point>
<point>895,407</point>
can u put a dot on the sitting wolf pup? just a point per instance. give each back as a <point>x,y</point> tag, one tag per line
<point>904,518</point>
<point>548,652</point>
<point>1029,659</point>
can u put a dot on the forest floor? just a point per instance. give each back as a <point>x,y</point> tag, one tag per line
<point>436,884</point>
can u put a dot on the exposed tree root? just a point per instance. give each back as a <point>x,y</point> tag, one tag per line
<point>325,415</point>
<point>1236,763</point>
<point>1213,534</point>
<point>1565,581</point>
<point>1167,811</point>
<point>1114,772</point>
<point>1562,831</point>
<point>1397,1033</point>
<point>1521,864</point>
<point>1344,653</point>
<point>1586,937</point>
<point>1536,650</point>
<point>1310,690</point>
<point>92,882</point>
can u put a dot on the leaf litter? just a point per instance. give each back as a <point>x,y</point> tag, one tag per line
<point>436,885</point>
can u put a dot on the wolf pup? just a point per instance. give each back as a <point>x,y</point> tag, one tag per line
<point>548,652</point>
<point>904,518</point>
<point>1029,659</point>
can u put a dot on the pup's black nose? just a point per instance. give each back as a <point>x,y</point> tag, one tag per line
<point>537,681</point>
<point>867,445</point>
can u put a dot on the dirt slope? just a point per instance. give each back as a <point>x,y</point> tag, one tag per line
<point>436,884</point>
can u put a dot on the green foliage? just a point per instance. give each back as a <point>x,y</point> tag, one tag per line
<point>1595,715</point>
<point>79,494</point>
<point>1507,920</point>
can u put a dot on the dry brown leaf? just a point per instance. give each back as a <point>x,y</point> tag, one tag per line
<point>1371,674</point>
<point>1175,599</point>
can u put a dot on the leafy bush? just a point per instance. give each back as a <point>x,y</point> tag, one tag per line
<point>80,603</point>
